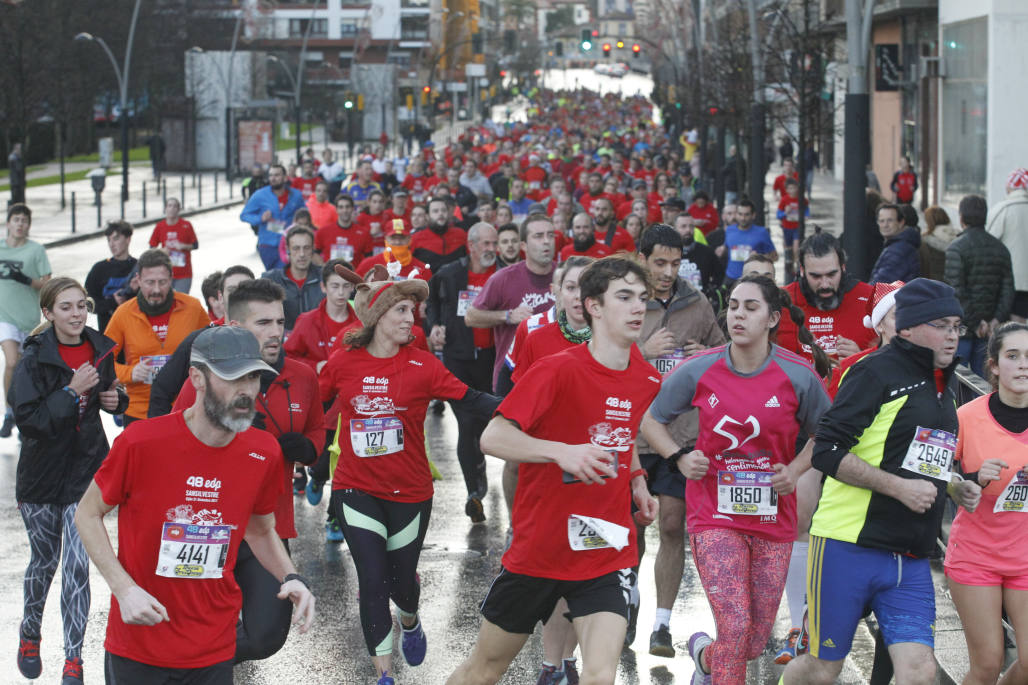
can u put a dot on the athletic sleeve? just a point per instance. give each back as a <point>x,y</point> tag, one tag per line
<point>841,426</point>
<point>445,386</point>
<point>156,237</point>
<point>113,475</point>
<point>42,262</point>
<point>490,298</point>
<point>677,390</point>
<point>813,401</point>
<point>532,396</point>
<point>271,488</point>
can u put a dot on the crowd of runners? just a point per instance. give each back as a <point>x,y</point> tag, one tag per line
<point>595,319</point>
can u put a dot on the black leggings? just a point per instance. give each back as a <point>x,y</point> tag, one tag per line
<point>385,540</point>
<point>264,625</point>
<point>478,375</point>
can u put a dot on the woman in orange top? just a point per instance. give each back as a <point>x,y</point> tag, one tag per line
<point>987,555</point>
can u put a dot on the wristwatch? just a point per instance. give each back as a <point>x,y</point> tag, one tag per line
<point>296,576</point>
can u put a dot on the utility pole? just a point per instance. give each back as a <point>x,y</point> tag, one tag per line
<point>857,139</point>
<point>758,169</point>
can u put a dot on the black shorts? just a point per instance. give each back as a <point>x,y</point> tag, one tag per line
<point>1020,307</point>
<point>517,602</point>
<point>119,670</point>
<point>661,479</point>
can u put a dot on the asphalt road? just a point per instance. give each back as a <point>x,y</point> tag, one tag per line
<point>458,562</point>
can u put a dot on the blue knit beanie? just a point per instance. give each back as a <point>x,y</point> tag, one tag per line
<point>923,300</point>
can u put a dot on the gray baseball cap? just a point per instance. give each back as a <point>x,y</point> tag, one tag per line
<point>230,352</point>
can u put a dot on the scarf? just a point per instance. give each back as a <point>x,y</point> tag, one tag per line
<point>572,336</point>
<point>400,253</point>
<point>155,310</point>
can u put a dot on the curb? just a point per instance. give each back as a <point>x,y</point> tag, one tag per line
<point>79,237</point>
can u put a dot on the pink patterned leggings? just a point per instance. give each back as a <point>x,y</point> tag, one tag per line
<point>744,577</point>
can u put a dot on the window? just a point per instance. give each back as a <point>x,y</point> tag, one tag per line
<point>345,60</point>
<point>298,27</point>
<point>401,59</point>
<point>414,28</point>
<point>964,98</point>
<point>348,29</point>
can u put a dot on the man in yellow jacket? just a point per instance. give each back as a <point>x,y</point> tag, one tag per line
<point>149,327</point>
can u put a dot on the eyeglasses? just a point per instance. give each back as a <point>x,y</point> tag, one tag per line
<point>959,329</point>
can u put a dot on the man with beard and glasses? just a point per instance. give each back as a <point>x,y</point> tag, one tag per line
<point>469,353</point>
<point>190,487</point>
<point>289,408</point>
<point>583,240</point>
<point>148,328</point>
<point>833,302</point>
<point>442,243</point>
<point>271,209</point>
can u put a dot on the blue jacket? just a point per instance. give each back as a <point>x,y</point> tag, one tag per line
<point>265,199</point>
<point>900,259</point>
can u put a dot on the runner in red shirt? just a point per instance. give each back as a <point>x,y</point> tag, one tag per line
<point>704,213</point>
<point>316,332</point>
<point>584,241</point>
<point>788,171</point>
<point>753,398</point>
<point>177,236</point>
<point>307,179</point>
<point>373,220</point>
<point>189,486</point>
<point>382,485</point>
<point>345,239</point>
<point>570,423</point>
<point>397,257</point>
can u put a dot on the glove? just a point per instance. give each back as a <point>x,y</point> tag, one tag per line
<point>259,421</point>
<point>296,447</point>
<point>17,275</point>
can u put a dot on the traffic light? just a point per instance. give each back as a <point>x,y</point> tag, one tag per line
<point>586,43</point>
<point>586,35</point>
<point>595,33</point>
<point>713,110</point>
<point>635,50</point>
<point>360,103</point>
<point>620,44</point>
<point>606,49</point>
<point>559,48</point>
<point>348,101</point>
<point>425,92</point>
<point>587,46</point>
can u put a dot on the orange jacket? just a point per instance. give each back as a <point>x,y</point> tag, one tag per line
<point>132,333</point>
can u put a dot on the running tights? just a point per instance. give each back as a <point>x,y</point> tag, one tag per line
<point>47,524</point>
<point>385,540</point>
<point>264,623</point>
<point>744,577</point>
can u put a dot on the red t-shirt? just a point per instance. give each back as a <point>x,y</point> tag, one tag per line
<point>707,215</point>
<point>304,185</point>
<point>333,327</point>
<point>532,323</point>
<point>374,225</point>
<point>168,486</point>
<point>622,240</point>
<point>75,356</point>
<point>476,281</point>
<point>569,397</point>
<point>182,231</point>
<point>846,320</point>
<point>905,184</point>
<point>159,324</point>
<point>335,242</point>
<point>298,281</point>
<point>791,206</point>
<point>540,343</point>
<point>596,250</point>
<point>382,403</point>
<point>779,186</point>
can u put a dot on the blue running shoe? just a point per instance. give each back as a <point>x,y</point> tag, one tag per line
<point>385,679</point>
<point>414,643</point>
<point>333,533</point>
<point>313,490</point>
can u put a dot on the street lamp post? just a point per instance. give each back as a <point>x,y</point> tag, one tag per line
<point>122,76</point>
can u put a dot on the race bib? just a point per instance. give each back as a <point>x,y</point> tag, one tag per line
<point>341,251</point>
<point>465,298</point>
<point>275,226</point>
<point>1015,496</point>
<point>746,492</point>
<point>376,437</point>
<point>740,253</point>
<point>193,551</point>
<point>178,257</point>
<point>669,362</point>
<point>687,271</point>
<point>931,453</point>
<point>792,213</point>
<point>156,363</point>
<point>377,250</point>
<point>586,532</point>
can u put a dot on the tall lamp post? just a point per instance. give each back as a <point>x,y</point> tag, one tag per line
<point>122,75</point>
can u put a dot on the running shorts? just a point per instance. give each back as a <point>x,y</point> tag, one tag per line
<point>661,478</point>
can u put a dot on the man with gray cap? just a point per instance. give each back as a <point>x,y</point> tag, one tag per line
<point>886,448</point>
<point>190,487</point>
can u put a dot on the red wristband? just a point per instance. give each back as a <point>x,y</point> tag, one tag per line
<point>639,472</point>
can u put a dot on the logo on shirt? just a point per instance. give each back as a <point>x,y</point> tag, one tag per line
<point>257,456</point>
<point>184,513</point>
<point>773,402</point>
<point>727,423</point>
<point>606,437</point>
<point>533,300</point>
<point>374,406</point>
<point>199,482</point>
<point>712,400</point>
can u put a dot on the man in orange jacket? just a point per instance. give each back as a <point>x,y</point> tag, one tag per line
<point>149,327</point>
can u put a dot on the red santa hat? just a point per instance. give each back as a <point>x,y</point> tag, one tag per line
<point>882,299</point>
<point>1018,178</point>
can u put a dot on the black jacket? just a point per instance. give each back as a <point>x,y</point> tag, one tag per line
<point>886,398</point>
<point>441,310</point>
<point>168,381</point>
<point>900,259</point>
<point>60,451</point>
<point>978,267</point>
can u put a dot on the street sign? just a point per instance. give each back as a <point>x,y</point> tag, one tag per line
<point>456,86</point>
<point>474,70</point>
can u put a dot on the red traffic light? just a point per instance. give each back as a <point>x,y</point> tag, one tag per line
<point>713,111</point>
<point>606,47</point>
<point>503,73</point>
<point>596,33</point>
<point>636,48</point>
<point>426,89</point>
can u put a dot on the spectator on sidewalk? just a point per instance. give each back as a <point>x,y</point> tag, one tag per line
<point>16,175</point>
<point>979,269</point>
<point>1008,221</point>
<point>177,237</point>
<point>271,209</point>
<point>899,260</point>
<point>157,149</point>
<point>107,281</point>
<point>24,269</point>
<point>938,234</point>
<point>904,182</point>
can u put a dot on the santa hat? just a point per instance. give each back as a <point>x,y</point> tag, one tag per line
<point>882,299</point>
<point>1018,178</point>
